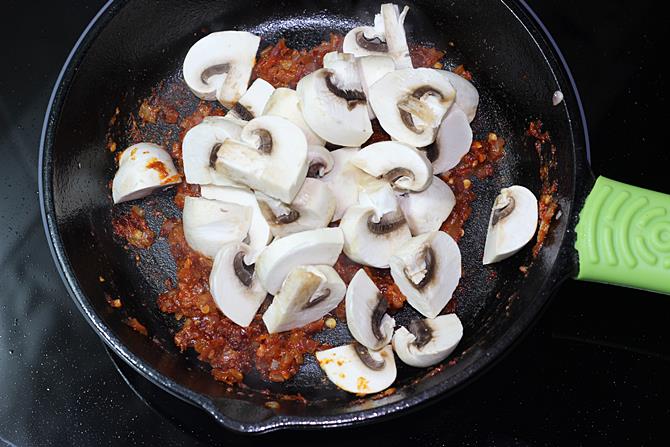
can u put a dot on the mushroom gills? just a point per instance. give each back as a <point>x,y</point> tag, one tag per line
<point>366,308</point>
<point>344,367</point>
<point>320,160</point>
<point>429,341</point>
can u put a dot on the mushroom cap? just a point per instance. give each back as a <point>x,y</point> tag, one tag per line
<point>285,103</point>
<point>394,30</point>
<point>219,65</point>
<point>143,168</point>
<point>433,262</point>
<point>370,70</point>
<point>512,228</point>
<point>467,96</point>
<point>271,157</point>
<point>308,293</point>
<point>259,231</point>
<point>364,311</point>
<point>314,205</point>
<point>453,140</point>
<point>314,247</point>
<point>320,160</point>
<point>343,180</point>
<point>334,118</point>
<point>405,167</point>
<point>411,103</point>
<point>253,102</point>
<point>427,210</point>
<point>446,332</point>
<point>210,224</point>
<point>344,368</point>
<point>197,147</point>
<point>366,247</point>
<point>235,300</point>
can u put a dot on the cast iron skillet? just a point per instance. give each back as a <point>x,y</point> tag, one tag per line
<point>132,45</point>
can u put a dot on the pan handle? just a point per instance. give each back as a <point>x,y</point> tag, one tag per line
<point>623,237</point>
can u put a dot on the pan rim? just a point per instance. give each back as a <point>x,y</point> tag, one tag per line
<point>545,44</point>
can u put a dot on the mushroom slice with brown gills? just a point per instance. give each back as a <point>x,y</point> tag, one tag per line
<point>285,103</point>
<point>374,230</point>
<point>333,104</point>
<point>314,247</point>
<point>253,102</point>
<point>210,224</point>
<point>312,208</point>
<point>453,141</point>
<point>308,293</point>
<point>143,168</point>
<point>235,288</point>
<point>219,65</point>
<point>366,307</point>
<point>411,103</point>
<point>403,166</point>
<point>343,180</point>
<point>427,269</point>
<point>271,157</point>
<point>320,161</point>
<point>512,224</point>
<point>467,96</point>
<point>427,210</point>
<point>358,370</point>
<point>366,40</point>
<point>429,341</point>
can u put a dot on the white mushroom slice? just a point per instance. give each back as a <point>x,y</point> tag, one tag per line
<point>334,106</point>
<point>453,141</point>
<point>199,150</point>
<point>236,290</point>
<point>404,167</point>
<point>253,102</point>
<point>378,195</point>
<point>366,40</point>
<point>143,168</point>
<point>428,342</point>
<point>467,96</point>
<point>285,103</point>
<point>271,157</point>
<point>210,224</point>
<point>320,160</point>
<point>427,270</point>
<point>312,208</point>
<point>512,224</point>
<point>314,247</point>
<point>394,30</point>
<point>425,211</point>
<point>355,369</point>
<point>308,293</point>
<point>411,103</point>
<point>259,231</point>
<point>219,65</point>
<point>366,308</point>
<point>343,180</point>
<point>371,69</point>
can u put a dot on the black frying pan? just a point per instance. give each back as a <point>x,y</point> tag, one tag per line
<point>131,46</point>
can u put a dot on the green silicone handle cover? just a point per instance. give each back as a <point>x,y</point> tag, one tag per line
<point>623,237</point>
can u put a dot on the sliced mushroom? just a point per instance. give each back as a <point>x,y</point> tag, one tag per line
<point>343,180</point>
<point>314,247</point>
<point>199,149</point>
<point>210,224</point>
<point>427,269</point>
<point>259,231</point>
<point>321,161</point>
<point>333,104</point>
<point>270,157</point>
<point>366,40</point>
<point>425,211</point>
<point>236,291</point>
<point>512,224</point>
<point>357,370</point>
<point>428,342</point>
<point>378,195</point>
<point>143,168</point>
<point>253,102</point>
<point>404,167</point>
<point>312,208</point>
<point>394,30</point>
<point>308,293</point>
<point>411,103</point>
<point>454,139</point>
<point>467,96</point>
<point>285,103</point>
<point>219,65</point>
<point>371,69</point>
<point>366,308</point>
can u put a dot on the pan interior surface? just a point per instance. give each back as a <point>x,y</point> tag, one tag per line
<point>135,46</point>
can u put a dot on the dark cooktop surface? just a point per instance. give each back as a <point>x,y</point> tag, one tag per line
<point>593,371</point>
